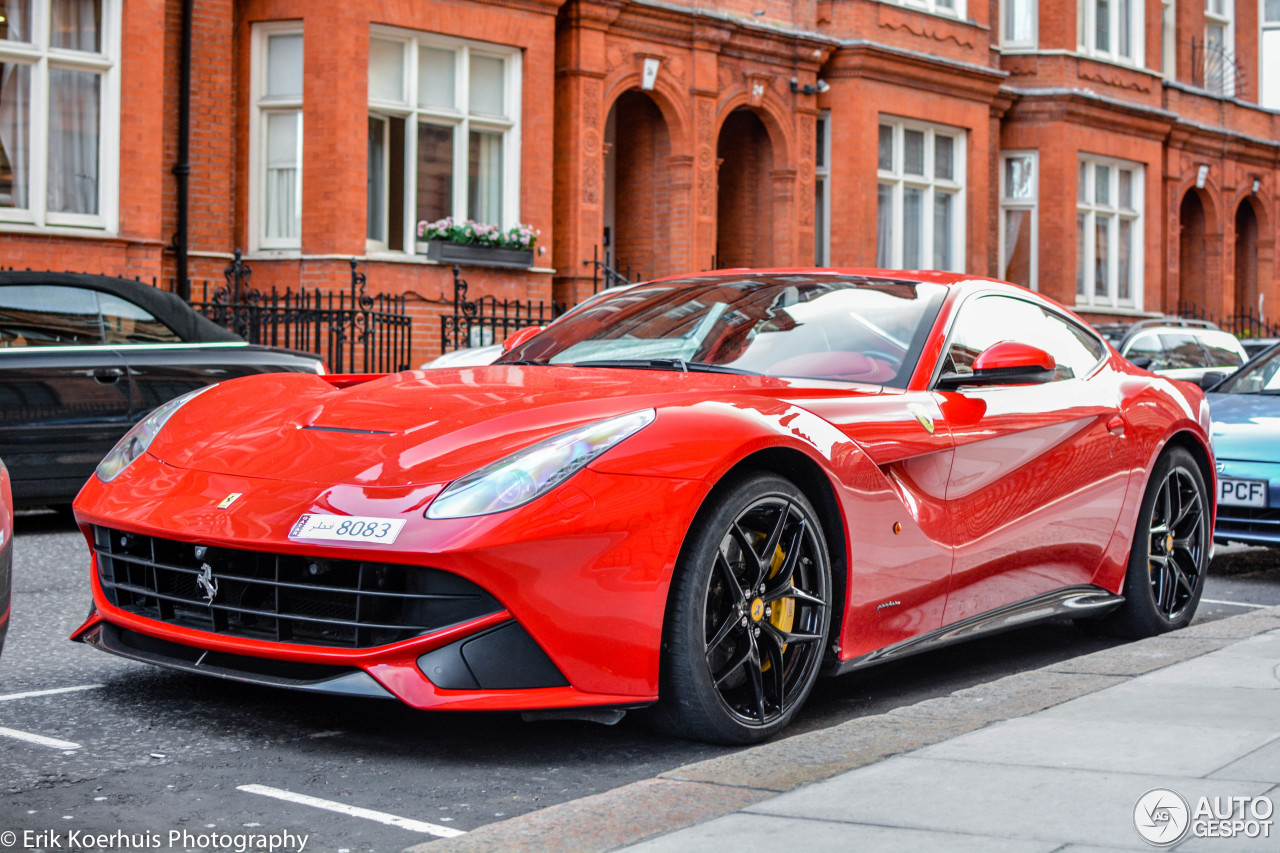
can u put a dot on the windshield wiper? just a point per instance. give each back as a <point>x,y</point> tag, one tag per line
<point>666,364</point>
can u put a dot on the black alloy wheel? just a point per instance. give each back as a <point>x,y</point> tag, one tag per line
<point>1170,553</point>
<point>748,619</point>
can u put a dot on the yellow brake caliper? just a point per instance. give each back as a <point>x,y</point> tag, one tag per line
<point>783,615</point>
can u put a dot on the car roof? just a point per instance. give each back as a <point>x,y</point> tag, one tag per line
<point>186,322</point>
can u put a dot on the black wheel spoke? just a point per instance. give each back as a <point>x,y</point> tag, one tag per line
<point>775,681</point>
<point>753,573</point>
<point>741,659</point>
<point>785,638</point>
<point>713,645</point>
<point>756,676</point>
<point>733,586</point>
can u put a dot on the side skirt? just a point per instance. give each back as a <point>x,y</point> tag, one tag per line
<point>1075,601</point>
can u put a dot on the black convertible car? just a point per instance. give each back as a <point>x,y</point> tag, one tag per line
<point>84,357</point>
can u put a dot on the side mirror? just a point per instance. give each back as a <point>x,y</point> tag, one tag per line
<point>1006,363</point>
<point>515,339</point>
<point>1212,379</point>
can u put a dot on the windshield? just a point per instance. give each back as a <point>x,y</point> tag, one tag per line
<point>1258,377</point>
<point>843,328</point>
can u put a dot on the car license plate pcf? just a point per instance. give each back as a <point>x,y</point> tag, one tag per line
<point>1242,492</point>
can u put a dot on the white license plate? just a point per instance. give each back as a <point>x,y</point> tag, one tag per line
<point>1242,492</point>
<point>347,528</point>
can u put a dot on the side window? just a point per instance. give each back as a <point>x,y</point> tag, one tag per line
<point>126,323</point>
<point>1220,351</point>
<point>1180,350</point>
<point>48,315</point>
<point>988,320</point>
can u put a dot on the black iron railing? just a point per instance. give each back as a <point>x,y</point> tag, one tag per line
<point>603,274</point>
<point>488,320</point>
<point>1244,323</point>
<point>1216,69</point>
<point>354,332</point>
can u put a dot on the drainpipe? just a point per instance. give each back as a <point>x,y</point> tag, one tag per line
<point>182,169</point>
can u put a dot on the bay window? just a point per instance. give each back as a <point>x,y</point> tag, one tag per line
<point>920,196</point>
<point>59,112</point>
<point>1109,233</point>
<point>444,134</point>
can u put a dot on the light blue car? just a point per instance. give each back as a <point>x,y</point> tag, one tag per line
<point>1246,442</point>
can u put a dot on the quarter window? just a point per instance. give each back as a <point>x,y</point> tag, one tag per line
<point>59,112</point>
<point>444,134</point>
<point>1108,233</point>
<point>989,320</point>
<point>920,196</point>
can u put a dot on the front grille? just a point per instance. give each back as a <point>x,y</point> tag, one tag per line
<point>282,597</point>
<point>1250,520</point>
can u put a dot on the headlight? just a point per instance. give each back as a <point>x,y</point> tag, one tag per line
<point>534,471</point>
<point>137,440</point>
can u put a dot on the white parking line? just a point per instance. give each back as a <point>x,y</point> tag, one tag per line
<point>34,693</point>
<point>38,739</point>
<point>1235,603</point>
<point>353,811</point>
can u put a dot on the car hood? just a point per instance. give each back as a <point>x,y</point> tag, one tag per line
<point>1245,426</point>
<point>422,427</point>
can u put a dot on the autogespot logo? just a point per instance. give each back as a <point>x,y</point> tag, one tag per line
<point>1162,817</point>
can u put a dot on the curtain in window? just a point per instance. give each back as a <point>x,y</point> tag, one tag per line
<point>76,25</point>
<point>283,214</point>
<point>484,186</point>
<point>17,21</point>
<point>884,226</point>
<point>1017,23</point>
<point>74,108</point>
<point>15,130</point>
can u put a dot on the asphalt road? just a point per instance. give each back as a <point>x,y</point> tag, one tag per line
<point>135,749</point>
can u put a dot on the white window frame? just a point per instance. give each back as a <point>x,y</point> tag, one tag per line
<point>822,192</point>
<point>41,57</point>
<point>1087,31</point>
<point>1029,8</point>
<point>262,107</point>
<point>946,8</point>
<point>1169,39</point>
<point>1225,19</point>
<point>1269,71</point>
<point>459,119</point>
<point>1089,208</point>
<point>1029,204</point>
<point>899,180</point>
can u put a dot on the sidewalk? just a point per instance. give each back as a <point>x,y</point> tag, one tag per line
<point>1054,759</point>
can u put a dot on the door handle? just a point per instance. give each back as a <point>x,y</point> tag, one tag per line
<point>108,375</point>
<point>1116,425</point>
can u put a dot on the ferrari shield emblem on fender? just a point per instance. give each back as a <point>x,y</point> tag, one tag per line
<point>229,500</point>
<point>922,416</point>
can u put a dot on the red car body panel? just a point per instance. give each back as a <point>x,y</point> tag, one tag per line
<point>951,504</point>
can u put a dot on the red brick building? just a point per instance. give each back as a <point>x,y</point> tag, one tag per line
<point>1121,156</point>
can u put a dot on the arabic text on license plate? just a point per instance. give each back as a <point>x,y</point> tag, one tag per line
<point>1242,492</point>
<point>347,528</point>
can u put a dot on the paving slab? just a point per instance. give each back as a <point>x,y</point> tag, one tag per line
<point>767,832</point>
<point>976,798</point>
<point>1134,746</point>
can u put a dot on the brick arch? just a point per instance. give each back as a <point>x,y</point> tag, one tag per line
<point>669,100</point>
<point>772,112</point>
<point>1253,260</point>
<point>638,188</point>
<point>745,204</point>
<point>1194,267</point>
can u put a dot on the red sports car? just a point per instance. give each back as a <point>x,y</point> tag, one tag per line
<point>698,494</point>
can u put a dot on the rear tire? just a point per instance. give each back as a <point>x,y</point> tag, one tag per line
<point>748,615</point>
<point>1170,554</point>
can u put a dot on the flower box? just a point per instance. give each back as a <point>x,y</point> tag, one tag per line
<point>446,252</point>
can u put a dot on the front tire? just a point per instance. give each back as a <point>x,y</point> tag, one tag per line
<point>748,615</point>
<point>1170,554</point>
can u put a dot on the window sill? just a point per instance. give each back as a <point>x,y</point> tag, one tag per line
<point>86,232</point>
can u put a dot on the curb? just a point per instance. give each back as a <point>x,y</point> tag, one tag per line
<point>699,792</point>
